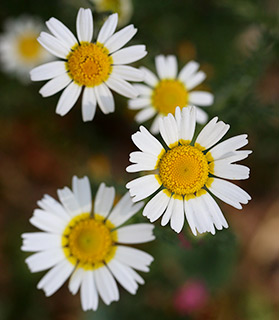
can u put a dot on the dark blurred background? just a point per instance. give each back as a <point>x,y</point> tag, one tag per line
<point>233,275</point>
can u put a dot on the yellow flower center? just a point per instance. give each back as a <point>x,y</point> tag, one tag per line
<point>183,170</point>
<point>89,64</point>
<point>169,94</point>
<point>89,241</point>
<point>29,47</point>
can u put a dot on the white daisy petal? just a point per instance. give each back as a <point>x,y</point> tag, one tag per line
<point>229,193</point>
<point>128,73</point>
<point>104,98</point>
<point>47,221</point>
<point>167,215</point>
<point>138,103</point>
<point>212,133</point>
<point>44,260</point>
<point>195,80</point>
<point>145,114</point>
<point>55,85</point>
<point>143,187</point>
<point>84,25</point>
<point>56,277</point>
<point>61,32</point>
<point>88,292</point>
<point>129,54</point>
<point>227,146</point>
<point>201,98</point>
<point>188,70</point>
<point>161,66</point>
<point>202,213</point>
<point>68,98</point>
<point>122,87</point>
<point>124,210</point>
<point>155,125</point>
<point>108,28</point>
<point>189,213</point>
<point>149,77</point>
<point>144,140</point>
<point>135,276</point>
<point>106,285</point>
<point>53,45</point>
<point>40,241</point>
<point>168,130</point>
<point>69,201</point>
<point>104,200</point>
<point>226,170</point>
<point>88,105</point>
<point>236,156</point>
<point>143,90</point>
<point>202,223</point>
<point>135,233</point>
<point>82,192</point>
<point>171,66</point>
<point>188,124</point>
<point>143,161</point>
<point>51,205</point>
<point>215,212</point>
<point>119,271</point>
<point>202,116</point>
<point>177,217</point>
<point>120,38</point>
<point>48,71</point>
<point>157,205</point>
<point>75,280</point>
<point>134,258</point>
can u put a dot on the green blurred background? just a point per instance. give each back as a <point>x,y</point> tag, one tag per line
<point>232,275</point>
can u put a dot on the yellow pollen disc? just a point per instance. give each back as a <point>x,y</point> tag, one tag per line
<point>183,170</point>
<point>89,64</point>
<point>29,47</point>
<point>88,241</point>
<point>169,94</point>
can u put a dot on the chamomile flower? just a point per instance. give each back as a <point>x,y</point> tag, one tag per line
<point>188,171</point>
<point>95,67</point>
<point>124,8</point>
<point>19,48</point>
<point>160,96</point>
<point>88,246</point>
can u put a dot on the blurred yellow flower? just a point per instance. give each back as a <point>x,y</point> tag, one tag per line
<point>124,8</point>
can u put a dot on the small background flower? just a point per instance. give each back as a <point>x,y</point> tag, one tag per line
<point>162,92</point>
<point>40,151</point>
<point>19,48</point>
<point>124,8</point>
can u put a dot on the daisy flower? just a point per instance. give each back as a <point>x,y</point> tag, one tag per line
<point>88,247</point>
<point>124,8</point>
<point>19,48</point>
<point>160,96</point>
<point>97,67</point>
<point>188,171</point>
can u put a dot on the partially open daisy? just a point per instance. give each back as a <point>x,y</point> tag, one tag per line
<point>188,171</point>
<point>19,48</point>
<point>97,67</point>
<point>89,247</point>
<point>124,8</point>
<point>160,96</point>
